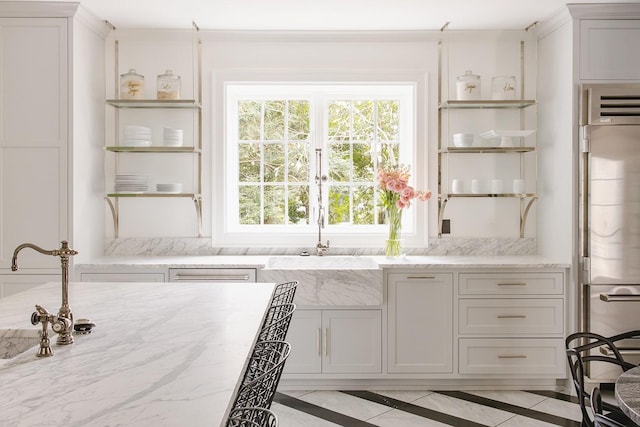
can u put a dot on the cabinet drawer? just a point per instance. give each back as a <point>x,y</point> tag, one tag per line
<point>122,277</point>
<point>511,316</point>
<point>212,274</point>
<point>511,284</point>
<point>511,356</point>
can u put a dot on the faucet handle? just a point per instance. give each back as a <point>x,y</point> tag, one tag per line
<point>60,324</point>
<point>42,316</point>
<point>35,318</point>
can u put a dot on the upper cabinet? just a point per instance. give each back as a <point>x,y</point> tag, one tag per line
<point>34,148</point>
<point>607,50</point>
<point>155,139</point>
<point>487,141</point>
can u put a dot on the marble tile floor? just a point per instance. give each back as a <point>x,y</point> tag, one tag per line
<point>426,408</point>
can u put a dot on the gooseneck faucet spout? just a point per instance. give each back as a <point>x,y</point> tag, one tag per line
<point>64,252</point>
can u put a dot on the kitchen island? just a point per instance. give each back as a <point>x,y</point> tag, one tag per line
<point>161,354</point>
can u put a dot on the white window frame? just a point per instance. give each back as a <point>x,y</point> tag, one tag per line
<point>229,233</point>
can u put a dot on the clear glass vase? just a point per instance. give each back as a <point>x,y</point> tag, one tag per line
<point>393,245</point>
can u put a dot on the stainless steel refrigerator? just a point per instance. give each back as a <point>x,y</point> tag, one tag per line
<point>610,214</point>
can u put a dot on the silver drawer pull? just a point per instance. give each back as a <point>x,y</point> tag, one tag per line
<point>619,297</point>
<point>512,356</point>
<point>513,284</point>
<point>511,316</point>
<point>421,277</point>
<point>195,278</point>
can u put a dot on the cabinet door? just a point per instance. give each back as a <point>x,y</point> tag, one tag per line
<point>608,49</point>
<point>13,283</point>
<point>305,335</point>
<point>34,138</point>
<point>420,328</point>
<point>122,277</point>
<point>352,341</point>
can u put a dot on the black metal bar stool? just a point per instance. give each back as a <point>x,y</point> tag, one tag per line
<point>276,323</point>
<point>252,417</point>
<point>262,375</point>
<point>284,293</point>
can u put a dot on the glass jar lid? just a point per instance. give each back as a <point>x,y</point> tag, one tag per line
<point>468,75</point>
<point>168,75</point>
<point>132,74</point>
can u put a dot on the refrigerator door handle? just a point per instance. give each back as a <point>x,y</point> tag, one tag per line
<point>619,297</point>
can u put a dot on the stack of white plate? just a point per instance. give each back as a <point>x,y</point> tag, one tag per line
<point>169,188</point>
<point>137,136</point>
<point>172,137</point>
<point>131,183</point>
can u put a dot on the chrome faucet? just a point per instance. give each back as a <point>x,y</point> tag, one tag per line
<point>41,315</point>
<point>64,252</point>
<point>320,178</point>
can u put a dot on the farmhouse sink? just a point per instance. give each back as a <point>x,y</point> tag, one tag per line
<point>16,341</point>
<point>321,262</point>
<point>328,280</point>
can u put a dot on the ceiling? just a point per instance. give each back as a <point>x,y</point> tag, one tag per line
<point>328,14</point>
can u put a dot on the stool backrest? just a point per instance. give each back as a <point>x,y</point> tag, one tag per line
<point>276,322</point>
<point>263,374</point>
<point>284,293</point>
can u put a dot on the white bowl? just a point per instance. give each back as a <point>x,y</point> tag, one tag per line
<point>169,188</point>
<point>463,139</point>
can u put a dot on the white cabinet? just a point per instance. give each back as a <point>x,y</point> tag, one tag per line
<point>122,277</point>
<point>512,357</point>
<point>511,323</point>
<point>34,147</point>
<point>212,275</point>
<point>420,322</point>
<point>13,283</point>
<point>608,49</point>
<point>335,342</point>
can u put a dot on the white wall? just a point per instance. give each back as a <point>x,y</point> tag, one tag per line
<point>557,143</point>
<point>308,57</point>
<point>87,84</point>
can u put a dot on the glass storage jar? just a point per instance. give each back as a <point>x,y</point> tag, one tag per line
<point>503,87</point>
<point>131,85</point>
<point>468,86</point>
<point>168,86</point>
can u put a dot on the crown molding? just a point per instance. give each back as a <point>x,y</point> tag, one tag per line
<point>604,10</point>
<point>37,9</point>
<point>88,19</point>
<point>560,18</point>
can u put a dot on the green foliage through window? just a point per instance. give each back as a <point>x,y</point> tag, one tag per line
<point>275,151</point>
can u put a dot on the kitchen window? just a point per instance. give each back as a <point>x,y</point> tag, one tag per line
<point>274,135</point>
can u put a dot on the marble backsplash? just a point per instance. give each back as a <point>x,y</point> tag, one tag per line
<point>202,247</point>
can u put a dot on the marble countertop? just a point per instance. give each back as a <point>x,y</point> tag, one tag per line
<point>341,261</point>
<point>163,355</point>
<point>628,393</point>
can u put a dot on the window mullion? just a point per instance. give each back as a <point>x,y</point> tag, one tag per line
<point>285,171</point>
<point>262,159</point>
<point>351,172</point>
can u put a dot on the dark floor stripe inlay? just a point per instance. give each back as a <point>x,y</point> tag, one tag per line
<point>319,411</point>
<point>525,412</point>
<point>413,409</point>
